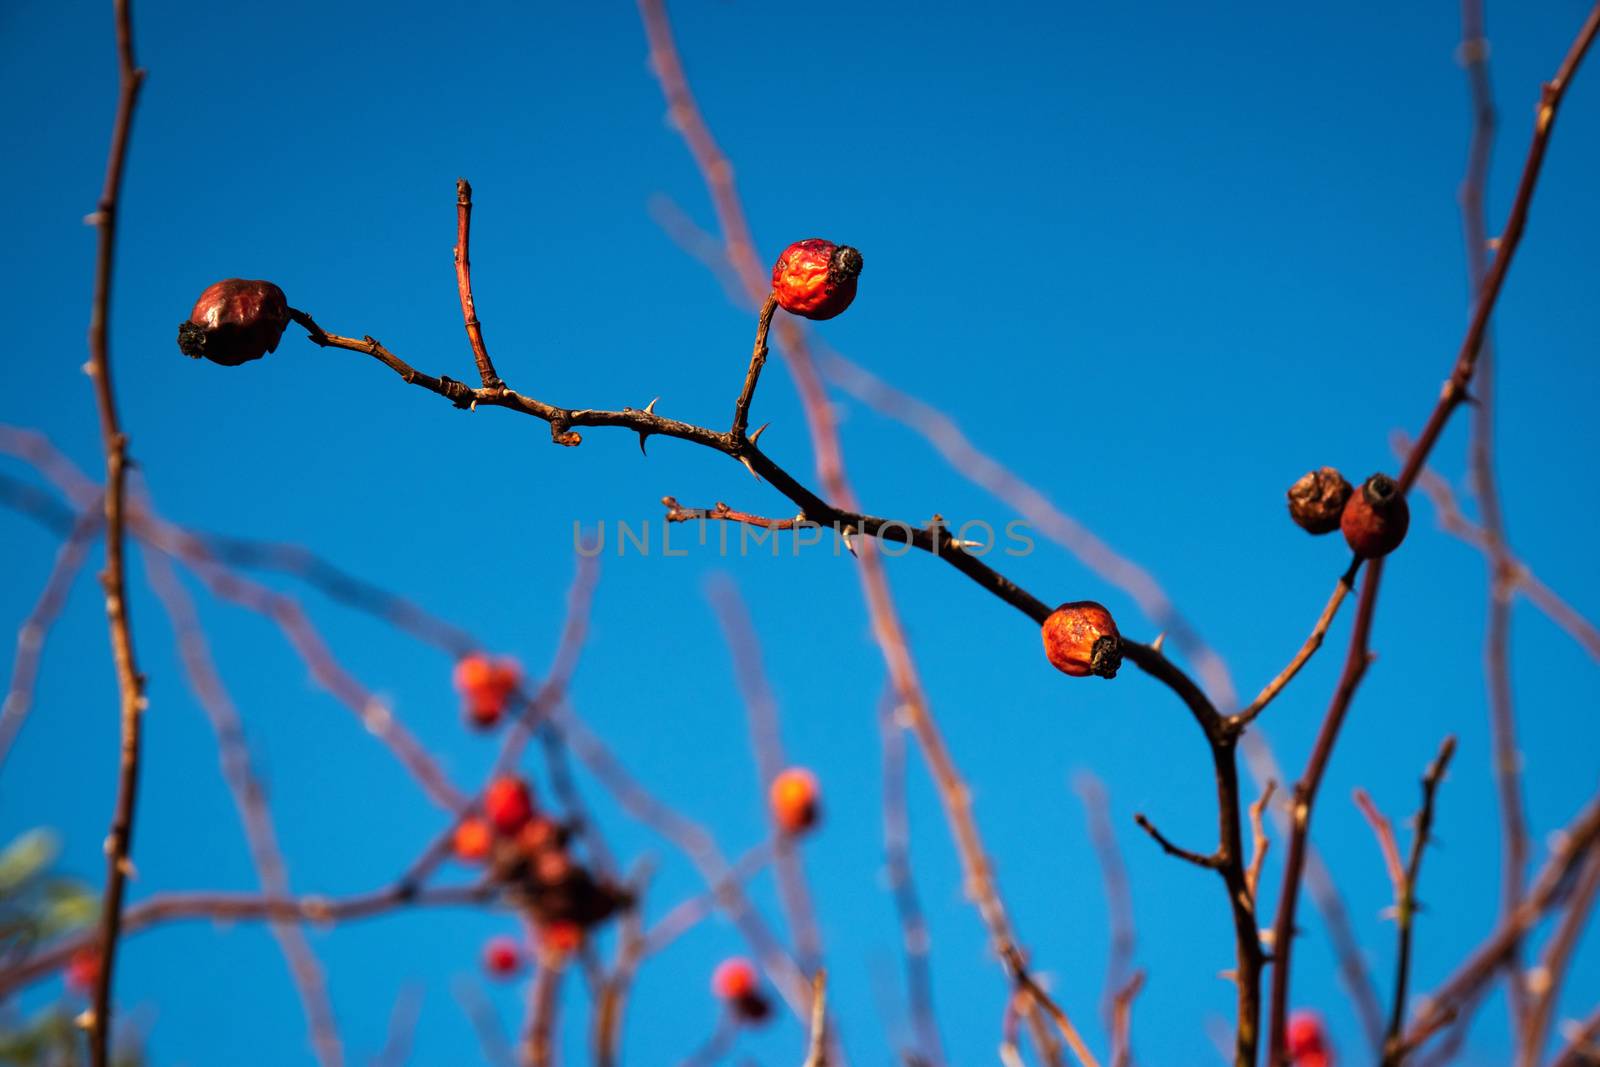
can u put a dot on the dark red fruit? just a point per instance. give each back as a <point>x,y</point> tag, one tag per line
<point>816,279</point>
<point>508,804</point>
<point>235,321</point>
<point>1317,500</point>
<point>1081,638</point>
<point>1376,517</point>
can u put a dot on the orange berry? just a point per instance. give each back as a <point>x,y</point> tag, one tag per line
<point>473,672</point>
<point>508,804</point>
<point>502,957</point>
<point>485,686</point>
<point>472,840</point>
<point>734,979</point>
<point>816,279</point>
<point>1081,639</point>
<point>538,835</point>
<point>794,796</point>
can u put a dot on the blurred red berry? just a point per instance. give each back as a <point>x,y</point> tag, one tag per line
<point>472,840</point>
<point>816,279</point>
<point>538,835</point>
<point>83,970</point>
<point>235,321</point>
<point>1308,1041</point>
<point>502,957</point>
<point>561,937</point>
<point>508,804</point>
<point>486,686</point>
<point>1081,638</point>
<point>733,979</point>
<point>795,798</point>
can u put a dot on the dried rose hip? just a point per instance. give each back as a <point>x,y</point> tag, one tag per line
<point>234,321</point>
<point>794,799</point>
<point>816,279</point>
<point>1081,639</point>
<point>1317,500</point>
<point>1376,517</point>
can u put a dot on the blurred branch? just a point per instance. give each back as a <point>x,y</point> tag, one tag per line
<point>250,798</point>
<point>36,627</point>
<point>1545,980</point>
<point>1119,897</point>
<point>761,708</point>
<point>915,939</point>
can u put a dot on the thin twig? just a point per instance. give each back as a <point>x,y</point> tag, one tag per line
<point>249,797</point>
<point>817,1054</point>
<point>130,682</point>
<point>761,709</point>
<point>1122,1020</point>
<point>758,359</point>
<point>1209,861</point>
<point>1259,842</point>
<point>469,310</point>
<point>36,627</point>
<point>1119,897</point>
<point>915,939</point>
<point>544,1000</point>
<point>485,1022</point>
<point>1405,901</point>
<point>1546,979</point>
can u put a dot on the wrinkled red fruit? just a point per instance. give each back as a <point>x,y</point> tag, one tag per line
<point>508,804</point>
<point>501,957</point>
<point>1376,517</point>
<point>1081,638</point>
<point>1308,1041</point>
<point>1317,500</point>
<point>235,321</point>
<point>816,279</point>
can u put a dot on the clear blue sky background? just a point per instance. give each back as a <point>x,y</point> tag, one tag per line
<point>1159,258</point>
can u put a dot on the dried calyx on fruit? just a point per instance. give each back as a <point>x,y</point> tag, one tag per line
<point>816,279</point>
<point>1317,500</point>
<point>1376,517</point>
<point>1081,638</point>
<point>234,321</point>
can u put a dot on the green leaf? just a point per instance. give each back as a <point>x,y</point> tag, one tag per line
<point>26,857</point>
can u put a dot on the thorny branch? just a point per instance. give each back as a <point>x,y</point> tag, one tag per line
<point>130,683</point>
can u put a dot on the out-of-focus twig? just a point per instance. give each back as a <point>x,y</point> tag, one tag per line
<point>485,1022</point>
<point>1545,980</point>
<point>396,1051</point>
<point>761,708</point>
<point>249,797</point>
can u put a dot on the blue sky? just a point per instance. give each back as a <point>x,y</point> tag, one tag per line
<point>1158,258</point>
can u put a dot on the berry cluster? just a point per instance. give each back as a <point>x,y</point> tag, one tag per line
<point>527,852</point>
<point>486,687</point>
<point>1374,520</point>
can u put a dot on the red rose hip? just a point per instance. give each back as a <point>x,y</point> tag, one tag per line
<point>1308,1041</point>
<point>816,279</point>
<point>1376,517</point>
<point>501,957</point>
<point>234,321</point>
<point>1081,639</point>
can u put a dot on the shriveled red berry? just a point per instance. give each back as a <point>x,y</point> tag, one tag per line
<point>83,970</point>
<point>502,957</point>
<point>816,279</point>
<point>1376,517</point>
<point>234,321</point>
<point>472,840</point>
<point>795,799</point>
<point>1317,500</point>
<point>734,977</point>
<point>508,804</point>
<point>1307,1041</point>
<point>1081,638</point>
